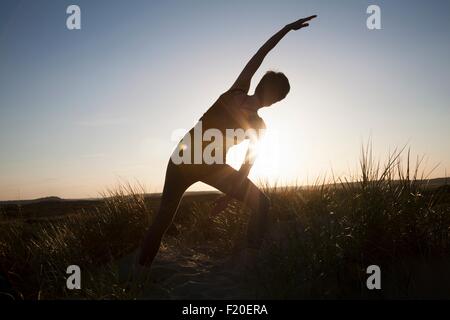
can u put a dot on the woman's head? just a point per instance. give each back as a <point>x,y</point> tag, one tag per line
<point>273,87</point>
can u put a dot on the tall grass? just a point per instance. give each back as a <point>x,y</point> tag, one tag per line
<point>320,243</point>
<point>35,256</point>
<point>385,216</point>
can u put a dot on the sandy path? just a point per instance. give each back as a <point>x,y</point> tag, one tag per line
<point>189,274</point>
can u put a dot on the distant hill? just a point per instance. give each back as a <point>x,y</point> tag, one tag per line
<point>45,199</point>
<point>54,199</point>
<point>437,182</point>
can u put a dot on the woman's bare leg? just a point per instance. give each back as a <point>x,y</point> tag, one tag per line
<point>174,188</point>
<point>230,182</point>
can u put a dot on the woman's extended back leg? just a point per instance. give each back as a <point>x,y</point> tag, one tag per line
<point>174,188</point>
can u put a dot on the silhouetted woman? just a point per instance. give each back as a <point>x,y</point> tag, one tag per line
<point>234,109</point>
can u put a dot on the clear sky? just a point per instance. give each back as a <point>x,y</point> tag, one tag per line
<point>82,110</point>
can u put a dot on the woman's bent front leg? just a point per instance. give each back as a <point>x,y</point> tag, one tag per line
<point>230,182</point>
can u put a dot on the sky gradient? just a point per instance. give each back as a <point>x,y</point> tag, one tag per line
<point>82,110</point>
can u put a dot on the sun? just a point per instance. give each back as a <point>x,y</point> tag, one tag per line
<point>266,168</point>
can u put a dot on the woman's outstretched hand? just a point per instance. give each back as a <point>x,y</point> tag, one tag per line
<point>301,23</point>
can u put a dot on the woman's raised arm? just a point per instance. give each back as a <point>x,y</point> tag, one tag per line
<point>244,79</point>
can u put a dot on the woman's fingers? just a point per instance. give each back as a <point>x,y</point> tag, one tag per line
<point>301,23</point>
<point>300,26</point>
<point>309,18</point>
